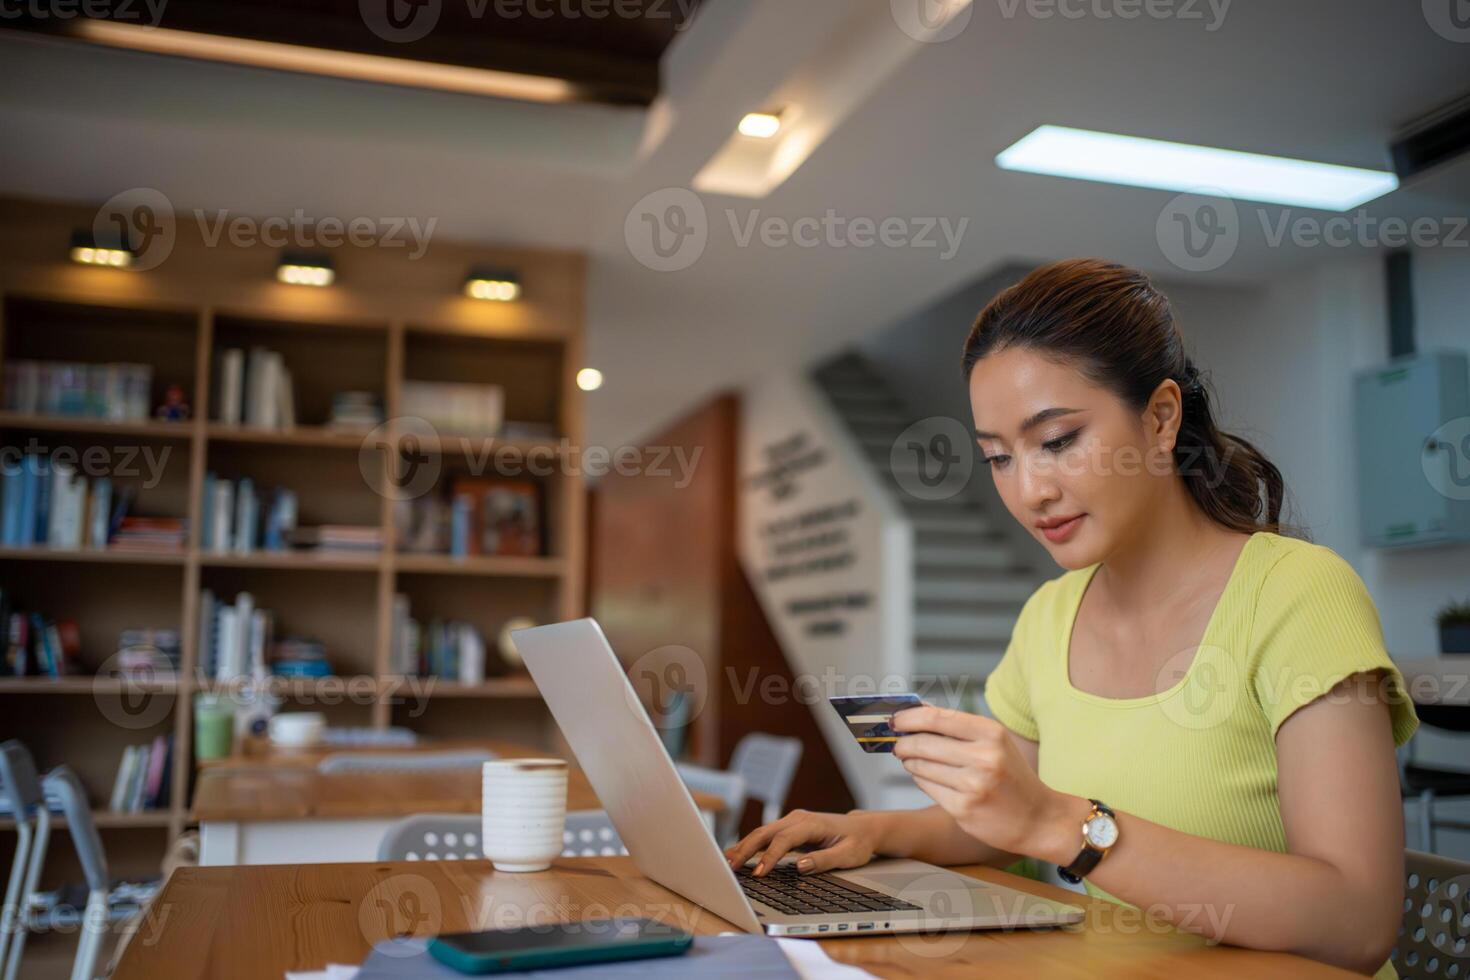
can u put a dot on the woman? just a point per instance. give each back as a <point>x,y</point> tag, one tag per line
<point>1220,689</point>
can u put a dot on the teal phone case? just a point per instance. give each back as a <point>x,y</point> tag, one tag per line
<point>536,959</point>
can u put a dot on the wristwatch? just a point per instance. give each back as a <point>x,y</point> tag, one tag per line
<point>1099,834</point>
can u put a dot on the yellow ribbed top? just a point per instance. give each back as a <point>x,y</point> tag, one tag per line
<point>1200,756</point>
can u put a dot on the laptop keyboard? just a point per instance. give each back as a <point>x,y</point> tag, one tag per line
<point>787,890</point>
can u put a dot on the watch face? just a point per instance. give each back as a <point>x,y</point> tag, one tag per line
<point>1102,831</point>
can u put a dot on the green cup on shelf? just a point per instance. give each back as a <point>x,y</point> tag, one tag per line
<point>214,727</point>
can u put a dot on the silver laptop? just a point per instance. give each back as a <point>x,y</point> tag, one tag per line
<point>619,749</point>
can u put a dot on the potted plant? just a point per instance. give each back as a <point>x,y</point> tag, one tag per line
<point>1454,628</point>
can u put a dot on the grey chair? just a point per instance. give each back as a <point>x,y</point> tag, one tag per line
<point>1428,785</point>
<point>403,761</point>
<point>62,785</point>
<point>729,787</point>
<point>1434,938</point>
<point>456,837</point>
<point>25,800</point>
<point>767,763</point>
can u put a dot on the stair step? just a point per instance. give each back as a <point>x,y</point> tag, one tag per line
<point>957,556</point>
<point>945,586</point>
<point>962,521</point>
<point>971,663</point>
<point>945,627</point>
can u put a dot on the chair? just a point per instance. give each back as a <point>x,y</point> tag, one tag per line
<point>767,763</point>
<point>25,800</point>
<point>590,833</point>
<point>729,787</point>
<point>1434,938</point>
<point>1427,785</point>
<point>456,837</point>
<point>62,785</point>
<point>403,761</point>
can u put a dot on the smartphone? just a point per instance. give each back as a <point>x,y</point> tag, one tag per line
<point>870,717</point>
<point>562,944</point>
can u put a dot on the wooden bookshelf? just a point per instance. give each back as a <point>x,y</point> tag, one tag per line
<point>387,321</point>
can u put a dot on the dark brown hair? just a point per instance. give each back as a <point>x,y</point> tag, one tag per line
<point>1111,323</point>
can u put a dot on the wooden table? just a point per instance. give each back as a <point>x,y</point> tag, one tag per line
<point>257,923</point>
<point>274,807</point>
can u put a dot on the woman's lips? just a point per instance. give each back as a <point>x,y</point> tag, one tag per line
<point>1060,531</point>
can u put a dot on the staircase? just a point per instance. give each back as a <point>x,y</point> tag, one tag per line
<point>969,583</point>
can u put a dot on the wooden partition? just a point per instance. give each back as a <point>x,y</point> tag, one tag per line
<point>667,588</point>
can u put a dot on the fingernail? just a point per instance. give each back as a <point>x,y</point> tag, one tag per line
<point>805,864</point>
<point>760,869</point>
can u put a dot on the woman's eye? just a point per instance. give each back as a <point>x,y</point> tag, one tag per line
<point>998,459</point>
<point>1060,442</point>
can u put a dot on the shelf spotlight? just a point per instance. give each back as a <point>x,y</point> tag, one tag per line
<point>500,285</point>
<point>111,251</point>
<point>306,270</point>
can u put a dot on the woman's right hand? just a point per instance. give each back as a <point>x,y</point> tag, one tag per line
<point>838,840</point>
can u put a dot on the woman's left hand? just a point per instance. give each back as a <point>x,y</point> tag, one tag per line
<point>969,765</point>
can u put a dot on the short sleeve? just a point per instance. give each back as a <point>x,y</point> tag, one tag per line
<point>1315,626</point>
<point>1007,692</point>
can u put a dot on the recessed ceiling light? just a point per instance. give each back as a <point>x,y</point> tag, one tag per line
<point>589,379</point>
<point>760,125</point>
<point>1136,162</point>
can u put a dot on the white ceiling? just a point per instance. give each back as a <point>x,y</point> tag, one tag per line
<point>1330,80</point>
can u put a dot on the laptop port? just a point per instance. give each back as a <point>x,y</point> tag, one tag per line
<point>794,930</point>
<point>823,928</point>
<point>866,925</point>
<point>842,927</point>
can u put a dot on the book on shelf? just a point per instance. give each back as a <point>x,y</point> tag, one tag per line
<point>451,650</point>
<point>238,642</point>
<point>148,654</point>
<point>35,645</point>
<point>337,537</point>
<point>232,517</point>
<point>143,779</point>
<point>48,503</point>
<point>455,409</point>
<point>255,389</point>
<point>355,411</point>
<point>116,392</point>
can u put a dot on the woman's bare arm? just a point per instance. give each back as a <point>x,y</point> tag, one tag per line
<point>1336,896</point>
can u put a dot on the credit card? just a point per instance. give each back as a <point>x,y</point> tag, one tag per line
<point>870,717</point>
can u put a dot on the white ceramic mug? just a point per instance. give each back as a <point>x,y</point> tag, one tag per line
<point>523,812</point>
<point>297,729</point>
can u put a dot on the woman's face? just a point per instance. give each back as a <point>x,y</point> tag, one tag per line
<point>1076,465</point>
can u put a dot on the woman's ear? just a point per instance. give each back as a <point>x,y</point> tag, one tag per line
<point>1164,414</point>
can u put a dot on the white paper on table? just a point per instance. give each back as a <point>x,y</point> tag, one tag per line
<point>334,971</point>
<point>810,960</point>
